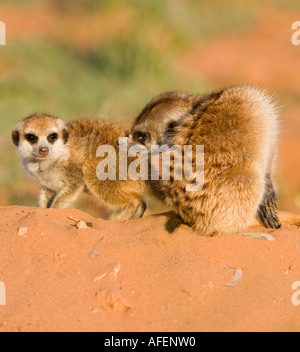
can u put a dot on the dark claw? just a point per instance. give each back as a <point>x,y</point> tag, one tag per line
<point>267,211</point>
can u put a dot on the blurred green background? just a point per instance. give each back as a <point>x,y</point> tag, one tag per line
<point>108,58</point>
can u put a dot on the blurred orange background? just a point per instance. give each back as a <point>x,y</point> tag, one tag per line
<point>109,58</point>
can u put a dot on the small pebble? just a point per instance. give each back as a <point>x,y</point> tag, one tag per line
<point>236,278</point>
<point>22,231</point>
<point>82,225</point>
<point>259,236</point>
<point>95,254</point>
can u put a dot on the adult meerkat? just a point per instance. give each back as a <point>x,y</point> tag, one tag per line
<point>62,159</point>
<point>238,127</point>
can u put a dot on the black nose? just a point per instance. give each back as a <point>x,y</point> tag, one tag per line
<point>43,151</point>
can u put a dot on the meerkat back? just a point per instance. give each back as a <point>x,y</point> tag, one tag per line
<point>238,128</point>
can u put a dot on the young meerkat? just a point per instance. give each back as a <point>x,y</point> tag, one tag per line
<point>238,127</point>
<point>61,158</point>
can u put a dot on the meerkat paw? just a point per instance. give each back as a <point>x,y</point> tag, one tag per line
<point>267,210</point>
<point>174,222</point>
<point>46,198</point>
<point>134,211</point>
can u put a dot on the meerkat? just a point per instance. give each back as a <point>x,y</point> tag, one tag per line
<point>238,127</point>
<point>61,158</point>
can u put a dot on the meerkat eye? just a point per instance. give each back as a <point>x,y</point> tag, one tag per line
<point>172,125</point>
<point>31,138</point>
<point>141,136</point>
<point>53,137</point>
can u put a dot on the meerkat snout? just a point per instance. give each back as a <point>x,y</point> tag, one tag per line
<point>44,151</point>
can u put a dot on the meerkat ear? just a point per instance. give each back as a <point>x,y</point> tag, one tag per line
<point>16,137</point>
<point>65,134</point>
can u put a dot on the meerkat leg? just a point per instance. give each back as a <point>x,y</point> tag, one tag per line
<point>67,196</point>
<point>46,198</point>
<point>267,211</point>
<point>133,211</point>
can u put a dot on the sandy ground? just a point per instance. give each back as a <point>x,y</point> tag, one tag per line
<point>136,276</point>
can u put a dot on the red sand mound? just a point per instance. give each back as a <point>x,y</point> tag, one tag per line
<point>136,276</point>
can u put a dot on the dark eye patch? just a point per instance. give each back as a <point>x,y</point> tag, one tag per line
<point>169,133</point>
<point>52,137</point>
<point>31,138</point>
<point>172,125</point>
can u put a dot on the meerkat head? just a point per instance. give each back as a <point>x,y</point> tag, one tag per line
<point>157,121</point>
<point>40,137</point>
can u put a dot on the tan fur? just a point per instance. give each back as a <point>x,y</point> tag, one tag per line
<point>238,128</point>
<point>70,167</point>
